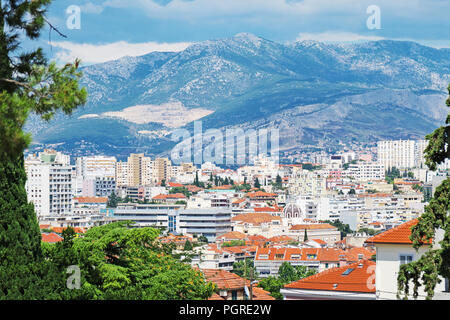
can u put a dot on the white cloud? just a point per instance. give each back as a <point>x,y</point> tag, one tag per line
<point>187,10</point>
<point>91,8</point>
<point>336,37</point>
<point>92,53</point>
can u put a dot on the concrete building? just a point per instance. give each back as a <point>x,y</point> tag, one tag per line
<point>50,183</point>
<point>394,248</point>
<point>397,153</point>
<point>208,222</point>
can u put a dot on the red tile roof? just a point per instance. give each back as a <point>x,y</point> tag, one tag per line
<point>51,238</point>
<point>232,235</point>
<point>314,254</point>
<point>215,296</point>
<point>319,241</point>
<point>226,280</point>
<point>169,196</point>
<point>397,235</point>
<point>91,199</point>
<point>61,229</point>
<point>281,239</point>
<point>174,184</point>
<point>357,280</point>
<point>267,209</point>
<point>255,218</point>
<point>312,226</point>
<point>259,194</point>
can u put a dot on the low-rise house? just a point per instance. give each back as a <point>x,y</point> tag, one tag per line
<point>322,231</point>
<point>230,286</point>
<point>178,240</point>
<point>281,240</point>
<point>241,252</point>
<point>91,202</point>
<point>350,282</point>
<point>261,196</point>
<point>258,223</point>
<point>394,248</point>
<point>51,237</point>
<point>169,198</point>
<point>257,240</point>
<point>231,236</point>
<point>210,256</point>
<point>268,260</point>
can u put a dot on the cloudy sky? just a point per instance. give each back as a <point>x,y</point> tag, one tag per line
<point>110,29</point>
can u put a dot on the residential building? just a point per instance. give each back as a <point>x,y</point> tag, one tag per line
<point>50,183</point>
<point>394,248</point>
<point>350,282</point>
<point>397,153</point>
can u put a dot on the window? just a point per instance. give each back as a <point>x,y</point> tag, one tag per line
<point>406,258</point>
<point>347,272</point>
<point>234,295</point>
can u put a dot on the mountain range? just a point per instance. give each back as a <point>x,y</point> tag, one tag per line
<point>317,94</point>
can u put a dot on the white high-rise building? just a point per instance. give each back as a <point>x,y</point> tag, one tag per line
<point>121,173</point>
<point>97,166</point>
<point>419,153</point>
<point>50,183</point>
<point>367,171</point>
<point>397,153</point>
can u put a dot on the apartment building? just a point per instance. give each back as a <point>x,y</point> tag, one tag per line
<point>305,182</point>
<point>207,222</point>
<point>397,153</point>
<point>50,183</point>
<point>96,166</point>
<point>268,260</point>
<point>366,171</point>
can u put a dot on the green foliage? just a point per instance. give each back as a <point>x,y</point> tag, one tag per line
<point>22,268</point>
<point>244,269</point>
<point>188,246</point>
<point>47,90</point>
<point>343,228</point>
<point>182,190</point>
<point>234,243</point>
<point>273,285</point>
<point>435,261</point>
<point>417,187</point>
<point>286,274</point>
<point>392,174</point>
<point>28,84</point>
<point>368,231</point>
<point>113,200</point>
<point>310,167</point>
<point>278,182</point>
<point>120,262</point>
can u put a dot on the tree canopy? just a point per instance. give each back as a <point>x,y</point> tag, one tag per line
<point>435,262</point>
<point>121,262</point>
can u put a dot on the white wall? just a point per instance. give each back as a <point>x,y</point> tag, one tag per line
<point>388,265</point>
